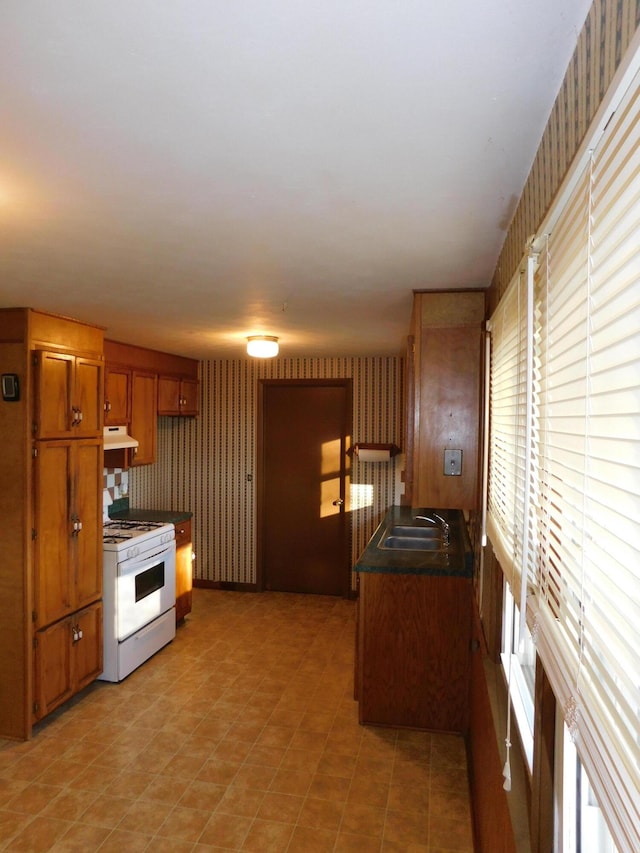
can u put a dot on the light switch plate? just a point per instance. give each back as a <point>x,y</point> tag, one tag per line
<point>453,463</point>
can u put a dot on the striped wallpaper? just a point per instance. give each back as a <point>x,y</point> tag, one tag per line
<point>608,30</point>
<point>207,464</point>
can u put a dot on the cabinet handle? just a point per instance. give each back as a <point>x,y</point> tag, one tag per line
<point>107,406</point>
<point>80,415</point>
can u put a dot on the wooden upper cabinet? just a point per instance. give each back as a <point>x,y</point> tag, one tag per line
<point>177,396</point>
<point>144,403</point>
<point>190,391</point>
<point>117,396</point>
<point>69,395</point>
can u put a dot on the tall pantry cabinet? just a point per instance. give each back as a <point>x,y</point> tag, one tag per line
<point>51,467</point>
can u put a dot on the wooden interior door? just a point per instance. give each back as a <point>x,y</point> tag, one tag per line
<point>304,532</point>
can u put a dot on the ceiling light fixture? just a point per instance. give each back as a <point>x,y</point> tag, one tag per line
<point>262,346</point>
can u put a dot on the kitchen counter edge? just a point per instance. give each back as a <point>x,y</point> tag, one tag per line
<point>167,516</point>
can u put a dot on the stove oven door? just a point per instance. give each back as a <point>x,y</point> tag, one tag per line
<point>146,588</point>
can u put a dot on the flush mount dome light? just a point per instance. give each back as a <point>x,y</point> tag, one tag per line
<point>262,346</point>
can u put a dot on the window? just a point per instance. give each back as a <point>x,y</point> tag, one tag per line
<point>519,664</point>
<point>580,823</point>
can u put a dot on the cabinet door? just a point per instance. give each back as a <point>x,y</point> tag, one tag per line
<point>87,509</point>
<point>184,569</point>
<point>53,528</point>
<point>189,397</point>
<point>88,396</point>
<point>117,397</point>
<point>168,395</point>
<point>68,395</point>
<point>87,648</point>
<point>53,667</point>
<point>54,378</point>
<point>144,390</point>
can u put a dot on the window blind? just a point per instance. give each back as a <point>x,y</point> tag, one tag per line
<point>508,428</point>
<point>586,611</point>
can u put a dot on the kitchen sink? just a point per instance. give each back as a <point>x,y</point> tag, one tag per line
<point>421,532</point>
<point>414,542</point>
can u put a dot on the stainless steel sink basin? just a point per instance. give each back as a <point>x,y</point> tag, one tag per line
<point>414,531</point>
<point>413,543</point>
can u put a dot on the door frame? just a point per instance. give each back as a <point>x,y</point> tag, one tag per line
<point>347,384</point>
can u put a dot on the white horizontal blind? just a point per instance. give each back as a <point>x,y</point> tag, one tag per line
<point>587,610</point>
<point>508,428</point>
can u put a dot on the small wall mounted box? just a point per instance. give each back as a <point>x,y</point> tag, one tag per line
<point>10,387</point>
<point>453,463</point>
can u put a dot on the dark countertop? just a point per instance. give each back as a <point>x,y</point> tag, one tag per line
<point>455,561</point>
<point>167,516</point>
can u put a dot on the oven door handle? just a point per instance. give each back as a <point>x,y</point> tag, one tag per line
<point>136,564</point>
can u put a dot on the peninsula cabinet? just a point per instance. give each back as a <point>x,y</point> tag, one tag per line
<point>51,506</point>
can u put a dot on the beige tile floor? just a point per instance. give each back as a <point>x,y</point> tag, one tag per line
<point>240,735</point>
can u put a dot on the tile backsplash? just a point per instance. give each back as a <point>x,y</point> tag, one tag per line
<point>116,482</point>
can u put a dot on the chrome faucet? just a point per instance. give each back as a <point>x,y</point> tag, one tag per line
<point>437,519</point>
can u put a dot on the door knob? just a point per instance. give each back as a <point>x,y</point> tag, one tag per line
<point>338,502</point>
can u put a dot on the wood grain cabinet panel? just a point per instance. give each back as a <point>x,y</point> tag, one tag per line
<point>67,527</point>
<point>144,402</point>
<point>69,395</point>
<point>443,398</point>
<point>184,569</point>
<point>51,568</point>
<point>68,656</point>
<point>117,396</point>
<point>414,637</point>
<point>177,396</point>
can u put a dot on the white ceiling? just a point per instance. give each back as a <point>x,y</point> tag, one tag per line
<point>188,173</point>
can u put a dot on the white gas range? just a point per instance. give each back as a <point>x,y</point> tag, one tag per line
<point>139,593</point>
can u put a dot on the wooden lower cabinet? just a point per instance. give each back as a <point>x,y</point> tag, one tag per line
<point>413,651</point>
<point>184,569</point>
<point>67,657</point>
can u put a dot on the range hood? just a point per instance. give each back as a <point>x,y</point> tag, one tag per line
<point>117,437</point>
